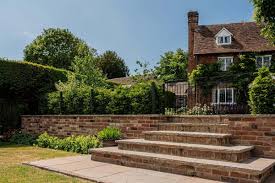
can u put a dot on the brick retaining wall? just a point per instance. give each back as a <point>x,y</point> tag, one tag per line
<point>132,126</point>
<point>246,129</point>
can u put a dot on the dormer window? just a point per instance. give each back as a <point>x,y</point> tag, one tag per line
<point>224,37</point>
<point>224,40</point>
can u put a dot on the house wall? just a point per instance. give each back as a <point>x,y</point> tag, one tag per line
<point>258,131</point>
<point>213,58</point>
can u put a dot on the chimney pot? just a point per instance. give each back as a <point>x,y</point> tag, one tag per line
<point>193,17</point>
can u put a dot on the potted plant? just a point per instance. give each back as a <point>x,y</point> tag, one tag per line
<point>109,135</point>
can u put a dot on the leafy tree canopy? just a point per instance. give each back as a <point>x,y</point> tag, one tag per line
<point>112,65</point>
<point>85,71</point>
<point>143,72</point>
<point>56,47</point>
<point>172,66</point>
<point>265,13</point>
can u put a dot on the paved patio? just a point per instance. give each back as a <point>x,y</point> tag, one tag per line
<point>84,167</point>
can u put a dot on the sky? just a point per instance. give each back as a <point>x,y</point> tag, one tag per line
<point>136,29</point>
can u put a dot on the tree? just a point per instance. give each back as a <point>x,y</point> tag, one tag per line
<point>262,93</point>
<point>173,66</point>
<point>56,47</point>
<point>85,71</point>
<point>112,65</point>
<point>143,72</point>
<point>265,14</point>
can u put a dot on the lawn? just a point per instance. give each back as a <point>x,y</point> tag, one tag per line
<point>12,170</point>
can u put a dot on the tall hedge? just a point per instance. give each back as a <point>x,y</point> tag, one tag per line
<point>262,93</point>
<point>22,85</point>
<point>25,79</point>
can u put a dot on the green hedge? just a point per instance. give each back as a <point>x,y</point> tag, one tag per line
<point>137,99</point>
<point>22,85</point>
<point>25,79</point>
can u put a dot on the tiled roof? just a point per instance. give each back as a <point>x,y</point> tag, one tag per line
<point>246,38</point>
<point>123,81</point>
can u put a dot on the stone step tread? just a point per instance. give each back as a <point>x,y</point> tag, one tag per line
<point>253,165</point>
<point>214,148</point>
<point>194,134</point>
<point>195,124</point>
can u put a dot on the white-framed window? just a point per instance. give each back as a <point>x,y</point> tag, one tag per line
<point>225,62</point>
<point>224,40</point>
<point>224,37</point>
<point>223,96</point>
<point>264,60</point>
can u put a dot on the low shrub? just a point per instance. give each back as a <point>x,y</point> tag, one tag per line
<point>78,144</point>
<point>200,110</point>
<point>109,133</point>
<point>262,93</point>
<point>22,138</point>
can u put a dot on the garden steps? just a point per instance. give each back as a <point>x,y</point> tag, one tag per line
<point>202,150</point>
<point>223,153</point>
<point>252,170</point>
<point>194,127</point>
<point>189,137</point>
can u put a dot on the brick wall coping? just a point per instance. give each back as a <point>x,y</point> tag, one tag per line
<point>107,115</point>
<point>228,115</point>
<point>159,115</point>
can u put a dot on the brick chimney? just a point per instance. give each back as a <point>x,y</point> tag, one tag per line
<point>193,21</point>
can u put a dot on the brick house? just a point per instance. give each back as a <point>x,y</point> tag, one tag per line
<point>223,43</point>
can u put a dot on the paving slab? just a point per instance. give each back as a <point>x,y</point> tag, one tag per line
<point>214,148</point>
<point>192,134</point>
<point>84,167</point>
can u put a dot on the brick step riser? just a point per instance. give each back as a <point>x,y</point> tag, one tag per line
<point>188,139</point>
<point>182,168</point>
<point>209,129</point>
<point>186,152</point>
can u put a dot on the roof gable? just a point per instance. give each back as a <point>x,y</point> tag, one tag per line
<point>223,32</point>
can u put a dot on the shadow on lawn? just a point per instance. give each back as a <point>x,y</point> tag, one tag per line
<point>9,145</point>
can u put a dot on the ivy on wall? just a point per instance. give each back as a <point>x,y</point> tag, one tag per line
<point>239,75</point>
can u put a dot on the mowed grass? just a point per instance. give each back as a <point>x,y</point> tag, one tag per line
<point>12,170</point>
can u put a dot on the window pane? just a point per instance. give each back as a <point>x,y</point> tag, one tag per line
<point>222,95</point>
<point>228,63</point>
<point>226,39</point>
<point>267,61</point>
<point>229,96</point>
<point>220,39</point>
<point>259,62</point>
<point>222,63</point>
